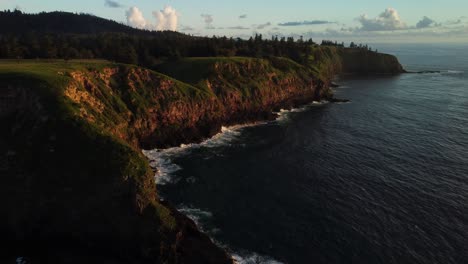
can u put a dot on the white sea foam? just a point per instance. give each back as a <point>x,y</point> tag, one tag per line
<point>284,114</point>
<point>21,260</point>
<point>454,72</point>
<point>202,217</point>
<point>199,216</point>
<point>253,258</point>
<point>320,102</point>
<point>162,159</point>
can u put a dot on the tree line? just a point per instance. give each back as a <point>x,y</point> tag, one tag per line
<point>87,37</point>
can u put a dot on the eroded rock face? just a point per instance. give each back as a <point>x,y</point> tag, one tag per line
<point>158,113</point>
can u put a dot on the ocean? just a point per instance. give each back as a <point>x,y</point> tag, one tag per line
<point>381,179</point>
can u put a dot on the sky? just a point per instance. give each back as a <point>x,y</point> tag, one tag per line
<point>342,20</point>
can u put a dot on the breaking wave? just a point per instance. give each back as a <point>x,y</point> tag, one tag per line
<point>253,258</point>
<point>162,159</point>
<point>203,219</point>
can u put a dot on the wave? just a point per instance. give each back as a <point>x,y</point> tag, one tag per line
<point>162,159</point>
<point>200,217</point>
<point>253,258</point>
<point>453,72</point>
<point>203,218</point>
<point>284,114</point>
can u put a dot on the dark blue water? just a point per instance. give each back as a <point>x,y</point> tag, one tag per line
<point>383,179</point>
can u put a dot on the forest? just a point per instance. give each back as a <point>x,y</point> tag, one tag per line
<point>62,35</point>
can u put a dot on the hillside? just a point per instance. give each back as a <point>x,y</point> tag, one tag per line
<point>61,22</point>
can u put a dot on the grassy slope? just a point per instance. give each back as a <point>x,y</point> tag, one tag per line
<point>236,73</point>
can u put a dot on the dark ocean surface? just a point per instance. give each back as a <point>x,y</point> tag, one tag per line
<point>382,179</point>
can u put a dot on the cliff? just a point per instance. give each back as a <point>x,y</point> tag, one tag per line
<point>75,186</point>
<point>362,62</point>
<point>74,190</point>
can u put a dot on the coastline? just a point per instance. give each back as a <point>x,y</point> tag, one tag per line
<point>145,109</point>
<point>165,168</point>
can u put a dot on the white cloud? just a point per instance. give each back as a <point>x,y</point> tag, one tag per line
<point>136,19</point>
<point>166,19</point>
<point>388,20</point>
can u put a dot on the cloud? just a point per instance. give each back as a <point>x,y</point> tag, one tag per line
<point>454,22</point>
<point>262,26</point>
<point>425,22</point>
<point>411,34</point>
<point>243,16</point>
<point>112,4</point>
<point>388,20</point>
<point>166,19</point>
<point>135,18</point>
<point>187,28</point>
<point>239,28</point>
<point>305,23</point>
<point>208,19</point>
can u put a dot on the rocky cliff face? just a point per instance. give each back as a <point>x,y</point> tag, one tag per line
<point>153,110</point>
<point>75,186</point>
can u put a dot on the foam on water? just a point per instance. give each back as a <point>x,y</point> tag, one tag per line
<point>342,87</point>
<point>165,168</point>
<point>454,72</point>
<point>199,216</point>
<point>203,217</point>
<point>162,159</point>
<point>253,258</point>
<point>284,114</point>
